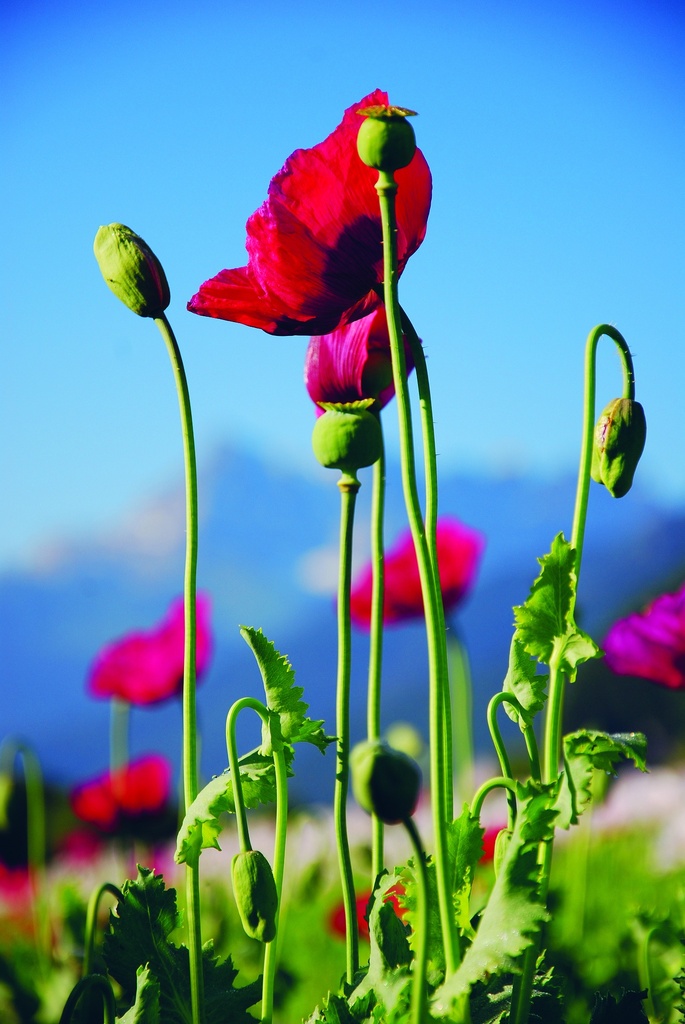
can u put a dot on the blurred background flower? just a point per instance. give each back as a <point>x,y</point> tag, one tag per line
<point>651,644</point>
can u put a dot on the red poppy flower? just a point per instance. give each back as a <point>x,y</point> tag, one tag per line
<point>315,254</point>
<point>147,667</point>
<point>139,789</point>
<point>651,644</point>
<point>353,362</point>
<point>337,922</point>
<point>459,550</point>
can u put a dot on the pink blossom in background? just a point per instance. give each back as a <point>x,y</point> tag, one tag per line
<point>315,253</point>
<point>651,644</point>
<point>147,667</point>
<point>140,788</point>
<point>352,363</point>
<point>459,549</point>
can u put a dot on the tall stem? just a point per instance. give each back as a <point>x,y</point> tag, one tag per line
<point>190,767</point>
<point>386,188</point>
<point>348,493</point>
<point>373,716</point>
<point>419,982</point>
<point>91,921</point>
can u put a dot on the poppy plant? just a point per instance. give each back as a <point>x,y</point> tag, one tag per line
<point>147,667</point>
<point>459,549</point>
<point>352,363</point>
<point>139,789</point>
<point>651,644</point>
<point>315,253</point>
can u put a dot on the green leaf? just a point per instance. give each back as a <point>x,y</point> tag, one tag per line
<point>515,911</point>
<point>523,680</point>
<point>282,696</point>
<point>626,1010</point>
<point>545,623</point>
<point>465,848</point>
<point>388,976</point>
<point>586,751</point>
<point>145,1010</point>
<point>140,930</point>
<point>201,825</point>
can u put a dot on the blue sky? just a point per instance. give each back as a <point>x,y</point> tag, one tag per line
<point>556,137</point>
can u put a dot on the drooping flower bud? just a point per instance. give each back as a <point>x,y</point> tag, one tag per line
<point>131,270</point>
<point>254,889</point>
<point>619,439</point>
<point>386,138</point>
<point>385,781</point>
<point>347,437</point>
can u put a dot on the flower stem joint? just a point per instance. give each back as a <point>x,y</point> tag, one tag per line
<point>386,138</point>
<point>347,437</point>
<point>256,896</point>
<point>385,781</point>
<point>618,443</point>
<point>131,270</point>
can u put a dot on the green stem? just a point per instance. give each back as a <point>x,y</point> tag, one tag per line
<point>644,970</point>
<point>92,983</point>
<point>498,782</point>
<point>190,766</point>
<point>118,734</point>
<point>462,728</point>
<point>348,493</point>
<point>419,981</point>
<point>437,658</point>
<point>373,716</point>
<point>91,922</point>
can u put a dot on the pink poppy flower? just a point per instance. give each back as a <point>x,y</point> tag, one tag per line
<point>147,667</point>
<point>314,247</point>
<point>651,644</point>
<point>459,550</point>
<point>139,789</point>
<point>352,363</point>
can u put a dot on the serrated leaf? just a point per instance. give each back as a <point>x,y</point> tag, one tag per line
<point>282,695</point>
<point>515,912</point>
<point>140,928</point>
<point>388,976</point>
<point>586,751</point>
<point>201,825</point>
<point>545,623</point>
<point>465,848</point>
<point>145,1010</point>
<point>523,680</point>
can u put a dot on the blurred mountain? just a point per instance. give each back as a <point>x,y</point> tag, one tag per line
<point>268,547</point>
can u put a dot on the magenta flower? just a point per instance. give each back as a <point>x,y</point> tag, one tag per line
<point>459,550</point>
<point>315,254</point>
<point>353,362</point>
<point>651,644</point>
<point>139,789</point>
<point>147,667</point>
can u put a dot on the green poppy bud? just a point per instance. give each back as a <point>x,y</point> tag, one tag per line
<point>255,894</point>
<point>619,439</point>
<point>131,270</point>
<point>385,781</point>
<point>386,138</point>
<point>347,437</point>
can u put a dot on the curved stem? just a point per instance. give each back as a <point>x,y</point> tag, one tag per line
<point>92,983</point>
<point>190,766</point>
<point>348,493</point>
<point>437,658</point>
<point>232,751</point>
<point>373,714</point>
<point>419,981</point>
<point>91,921</point>
<point>498,782</point>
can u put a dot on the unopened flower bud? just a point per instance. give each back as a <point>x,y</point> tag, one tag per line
<point>385,781</point>
<point>347,437</point>
<point>619,439</point>
<point>386,138</point>
<point>255,894</point>
<point>131,270</point>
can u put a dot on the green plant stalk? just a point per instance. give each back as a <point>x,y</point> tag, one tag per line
<point>93,982</point>
<point>419,981</point>
<point>349,487</point>
<point>495,703</point>
<point>644,972</point>
<point>386,188</point>
<point>462,720</point>
<point>190,766</point>
<point>270,951</point>
<point>497,782</point>
<point>373,716</point>
<point>91,922</point>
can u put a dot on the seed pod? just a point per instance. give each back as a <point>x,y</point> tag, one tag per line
<point>386,138</point>
<point>619,440</point>
<point>131,270</point>
<point>255,893</point>
<point>385,782</point>
<point>347,437</point>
